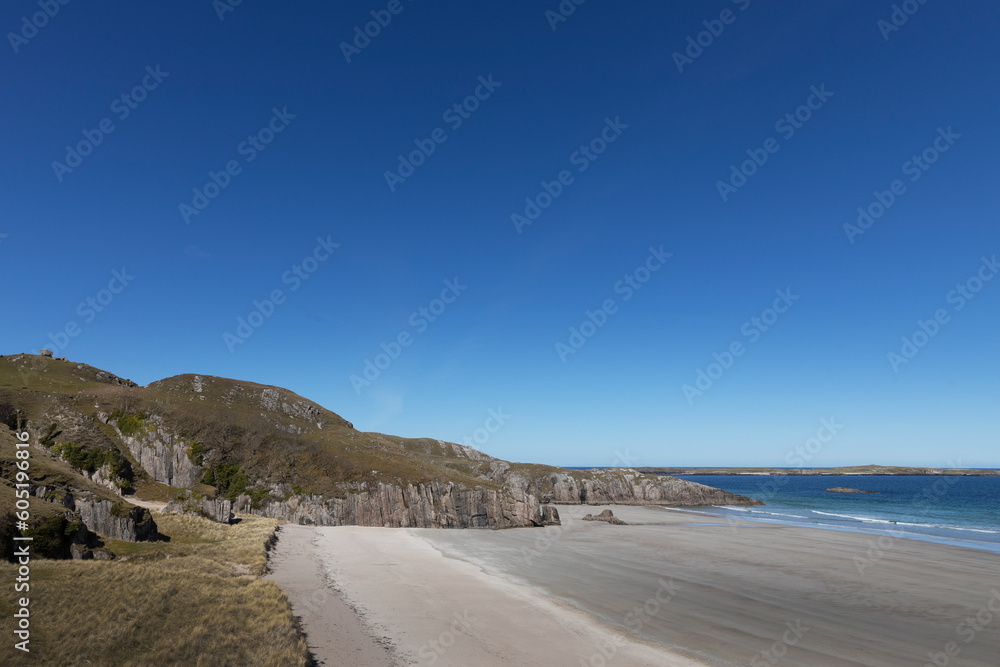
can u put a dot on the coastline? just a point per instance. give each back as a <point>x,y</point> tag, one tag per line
<point>676,587</point>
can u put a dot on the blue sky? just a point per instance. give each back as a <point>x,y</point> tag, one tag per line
<point>388,249</point>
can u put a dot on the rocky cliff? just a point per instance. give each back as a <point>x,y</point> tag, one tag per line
<point>162,454</point>
<point>433,505</point>
<point>624,487</point>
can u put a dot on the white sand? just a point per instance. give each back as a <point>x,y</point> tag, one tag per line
<point>448,612</point>
<point>680,589</point>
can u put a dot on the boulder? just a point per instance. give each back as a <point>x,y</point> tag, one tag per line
<point>550,516</point>
<point>607,516</point>
<point>45,353</point>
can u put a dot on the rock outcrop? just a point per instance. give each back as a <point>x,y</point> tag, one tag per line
<point>550,516</point>
<point>607,516</point>
<point>623,486</point>
<point>103,478</point>
<point>843,489</point>
<point>120,522</point>
<point>216,509</point>
<point>433,505</point>
<point>163,455</point>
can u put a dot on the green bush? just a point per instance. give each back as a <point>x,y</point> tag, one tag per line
<point>76,456</point>
<point>196,453</point>
<point>257,496</point>
<point>91,460</point>
<point>52,537</point>
<point>208,476</point>
<point>229,479</point>
<point>130,424</point>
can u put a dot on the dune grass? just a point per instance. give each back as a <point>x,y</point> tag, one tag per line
<point>196,600</point>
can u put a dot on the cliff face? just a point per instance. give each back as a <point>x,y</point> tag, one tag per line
<point>624,487</point>
<point>161,454</point>
<point>434,505</point>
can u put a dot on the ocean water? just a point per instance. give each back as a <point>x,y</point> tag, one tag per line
<point>956,510</point>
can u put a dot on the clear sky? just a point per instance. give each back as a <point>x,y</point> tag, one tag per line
<point>625,136</point>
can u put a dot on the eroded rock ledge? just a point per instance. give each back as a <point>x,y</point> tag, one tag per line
<point>623,486</point>
<point>434,505</point>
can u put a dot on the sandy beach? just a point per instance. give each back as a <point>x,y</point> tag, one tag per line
<point>681,589</point>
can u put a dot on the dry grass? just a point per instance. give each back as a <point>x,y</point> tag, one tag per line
<point>196,600</point>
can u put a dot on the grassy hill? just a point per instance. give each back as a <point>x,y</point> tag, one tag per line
<point>260,435</point>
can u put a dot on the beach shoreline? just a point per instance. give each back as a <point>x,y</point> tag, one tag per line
<point>678,588</point>
<point>336,632</point>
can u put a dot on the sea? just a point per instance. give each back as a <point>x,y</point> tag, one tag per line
<point>959,510</point>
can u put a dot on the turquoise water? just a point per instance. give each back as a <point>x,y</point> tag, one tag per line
<point>954,510</point>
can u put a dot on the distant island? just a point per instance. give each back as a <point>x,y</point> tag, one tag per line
<point>868,470</point>
<point>844,489</point>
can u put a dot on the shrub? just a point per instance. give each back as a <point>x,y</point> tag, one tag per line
<point>257,496</point>
<point>49,437</point>
<point>130,424</point>
<point>52,537</point>
<point>196,453</point>
<point>75,456</point>
<point>229,479</point>
<point>90,460</point>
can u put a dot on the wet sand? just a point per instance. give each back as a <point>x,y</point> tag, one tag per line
<point>684,589</point>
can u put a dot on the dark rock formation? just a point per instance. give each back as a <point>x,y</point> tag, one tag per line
<point>550,516</point>
<point>607,516</point>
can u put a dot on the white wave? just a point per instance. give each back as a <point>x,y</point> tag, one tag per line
<point>842,516</point>
<point>942,526</point>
